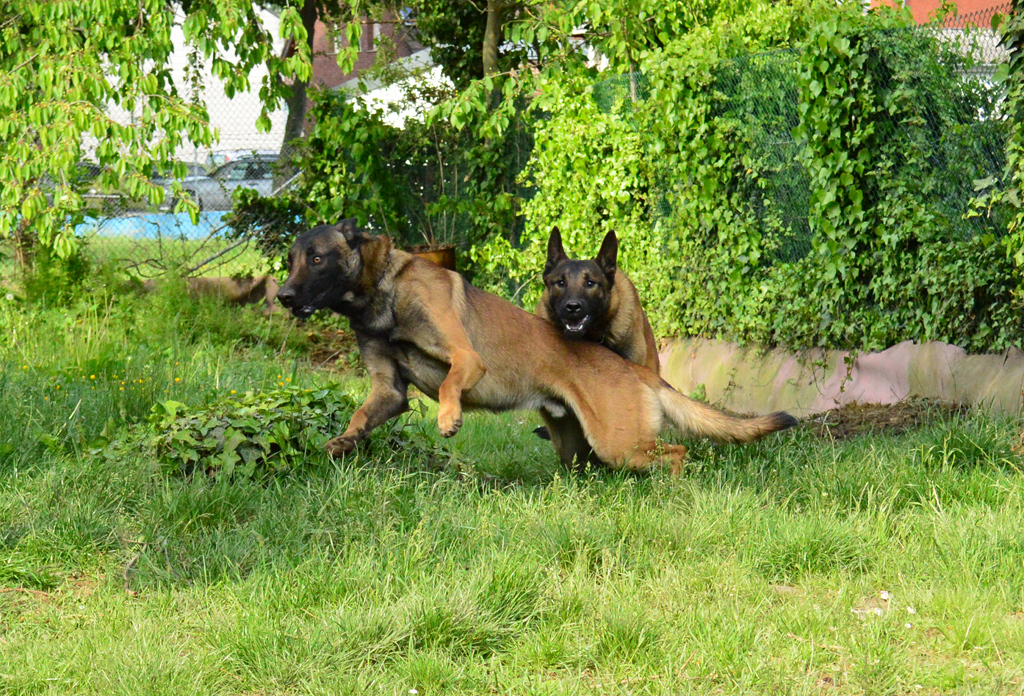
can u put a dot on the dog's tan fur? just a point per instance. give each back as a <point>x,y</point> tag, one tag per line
<point>236,291</point>
<point>419,324</point>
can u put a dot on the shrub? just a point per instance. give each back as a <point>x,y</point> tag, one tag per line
<point>252,435</point>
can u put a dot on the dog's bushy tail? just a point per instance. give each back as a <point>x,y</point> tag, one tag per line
<point>702,420</point>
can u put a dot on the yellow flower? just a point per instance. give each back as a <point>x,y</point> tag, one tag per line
<point>177,379</point>
<point>233,391</point>
<point>58,386</point>
<point>122,388</point>
<point>24,367</point>
<point>289,379</point>
<point>92,376</point>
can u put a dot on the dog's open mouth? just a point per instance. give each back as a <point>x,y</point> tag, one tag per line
<point>304,312</point>
<point>576,327</point>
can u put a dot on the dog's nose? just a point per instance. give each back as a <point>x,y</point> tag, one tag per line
<point>573,308</point>
<point>286,296</point>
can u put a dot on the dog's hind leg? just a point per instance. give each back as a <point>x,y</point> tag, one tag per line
<point>646,456</point>
<point>387,399</point>
<point>568,438</point>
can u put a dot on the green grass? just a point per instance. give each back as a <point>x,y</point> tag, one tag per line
<point>155,257</point>
<point>476,565</point>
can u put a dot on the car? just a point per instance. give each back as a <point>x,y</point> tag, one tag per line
<point>219,157</point>
<point>160,176</point>
<point>215,191</point>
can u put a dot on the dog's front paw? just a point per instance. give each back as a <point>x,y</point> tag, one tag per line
<point>449,421</point>
<point>340,445</point>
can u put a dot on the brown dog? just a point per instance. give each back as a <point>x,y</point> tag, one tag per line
<point>595,300</point>
<point>229,290</point>
<point>419,324</point>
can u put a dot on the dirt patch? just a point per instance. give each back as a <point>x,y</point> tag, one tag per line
<point>888,419</point>
<point>332,349</point>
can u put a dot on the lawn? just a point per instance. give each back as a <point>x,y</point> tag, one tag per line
<point>153,245</point>
<point>154,256</point>
<point>877,564</point>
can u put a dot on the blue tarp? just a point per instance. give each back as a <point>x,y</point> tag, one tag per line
<point>153,225</point>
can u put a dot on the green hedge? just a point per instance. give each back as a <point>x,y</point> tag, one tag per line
<point>800,177</point>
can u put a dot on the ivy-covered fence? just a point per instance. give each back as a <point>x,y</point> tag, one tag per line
<point>807,175</point>
<point>814,193</point>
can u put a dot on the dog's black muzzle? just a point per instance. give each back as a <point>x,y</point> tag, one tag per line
<point>286,296</point>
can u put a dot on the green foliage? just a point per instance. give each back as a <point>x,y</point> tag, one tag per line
<point>65,67</point>
<point>1002,193</point>
<point>796,175</point>
<point>454,33</point>
<point>883,121</point>
<point>622,167</point>
<point>589,181</point>
<point>424,183</point>
<point>251,435</point>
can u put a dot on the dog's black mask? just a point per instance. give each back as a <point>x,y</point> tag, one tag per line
<point>324,269</point>
<point>579,291</point>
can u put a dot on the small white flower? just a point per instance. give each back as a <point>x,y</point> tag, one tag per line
<point>884,595</point>
<point>906,625</point>
<point>413,692</point>
<point>910,610</point>
<point>10,297</point>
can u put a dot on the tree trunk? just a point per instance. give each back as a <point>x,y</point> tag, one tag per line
<point>23,242</point>
<point>492,35</point>
<point>296,103</point>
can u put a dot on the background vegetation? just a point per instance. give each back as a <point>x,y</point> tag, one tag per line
<point>799,174</point>
<point>881,564</point>
<point>169,522</point>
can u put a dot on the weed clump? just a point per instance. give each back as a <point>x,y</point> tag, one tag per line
<point>251,435</point>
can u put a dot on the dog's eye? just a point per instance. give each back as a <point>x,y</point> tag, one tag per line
<point>560,283</point>
<point>590,283</point>
<point>317,259</point>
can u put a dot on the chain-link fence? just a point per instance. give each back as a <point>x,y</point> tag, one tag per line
<point>154,240</point>
<point>953,133</point>
<point>955,130</point>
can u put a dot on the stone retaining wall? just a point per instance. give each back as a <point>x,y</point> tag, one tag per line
<point>754,380</point>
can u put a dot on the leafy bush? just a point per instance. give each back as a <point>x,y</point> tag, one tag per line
<point>250,435</point>
<point>797,176</point>
<point>425,182</point>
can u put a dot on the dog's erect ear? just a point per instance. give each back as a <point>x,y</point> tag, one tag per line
<point>376,251</point>
<point>556,254</point>
<point>608,256</point>
<point>349,229</point>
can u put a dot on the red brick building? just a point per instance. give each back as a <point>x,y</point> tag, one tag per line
<point>327,42</point>
<point>980,11</point>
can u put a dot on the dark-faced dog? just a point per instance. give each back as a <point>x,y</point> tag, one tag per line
<point>594,300</point>
<point>416,323</point>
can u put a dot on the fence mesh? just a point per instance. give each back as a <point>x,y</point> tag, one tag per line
<point>955,128</point>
